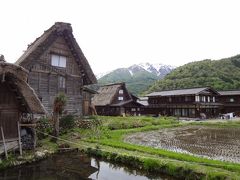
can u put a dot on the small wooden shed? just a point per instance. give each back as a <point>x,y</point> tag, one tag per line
<point>18,100</point>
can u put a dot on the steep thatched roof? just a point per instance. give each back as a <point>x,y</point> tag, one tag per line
<point>17,76</point>
<point>190,91</point>
<point>36,49</point>
<point>107,93</point>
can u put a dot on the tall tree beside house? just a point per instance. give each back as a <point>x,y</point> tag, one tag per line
<point>57,64</point>
<point>58,107</point>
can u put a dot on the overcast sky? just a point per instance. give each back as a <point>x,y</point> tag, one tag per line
<point>119,33</point>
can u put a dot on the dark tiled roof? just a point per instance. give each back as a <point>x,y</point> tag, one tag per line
<point>236,92</point>
<point>203,90</point>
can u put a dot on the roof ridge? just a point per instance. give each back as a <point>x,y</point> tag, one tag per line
<point>112,84</point>
<point>184,89</point>
<point>35,50</point>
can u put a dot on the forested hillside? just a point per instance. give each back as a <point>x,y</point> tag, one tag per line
<point>136,83</point>
<point>138,78</point>
<point>221,74</point>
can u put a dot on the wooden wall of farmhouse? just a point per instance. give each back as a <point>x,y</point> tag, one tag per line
<point>86,102</point>
<point>44,78</point>
<point>9,112</point>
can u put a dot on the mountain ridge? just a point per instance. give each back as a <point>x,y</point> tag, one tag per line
<point>223,74</point>
<point>137,77</point>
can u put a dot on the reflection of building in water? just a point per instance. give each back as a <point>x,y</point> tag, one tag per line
<point>109,171</point>
<point>68,166</point>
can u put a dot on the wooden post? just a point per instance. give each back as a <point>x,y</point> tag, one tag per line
<point>19,138</point>
<point>4,143</point>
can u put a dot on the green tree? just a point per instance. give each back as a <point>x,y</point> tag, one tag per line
<point>58,107</point>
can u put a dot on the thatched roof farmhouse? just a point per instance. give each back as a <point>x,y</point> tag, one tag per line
<point>57,64</point>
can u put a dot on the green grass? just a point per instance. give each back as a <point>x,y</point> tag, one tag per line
<point>107,141</point>
<point>114,123</point>
<point>105,137</point>
<point>224,124</point>
<point>115,139</point>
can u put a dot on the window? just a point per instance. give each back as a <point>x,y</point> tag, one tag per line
<point>120,91</point>
<point>120,98</point>
<point>197,98</point>
<point>208,98</point>
<point>61,82</point>
<point>213,99</point>
<point>203,98</point>
<point>133,109</point>
<point>184,112</point>
<point>59,61</point>
<point>231,99</point>
<point>177,112</point>
<point>191,112</point>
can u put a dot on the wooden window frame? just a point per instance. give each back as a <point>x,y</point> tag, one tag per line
<point>57,59</point>
<point>61,82</point>
<point>120,98</point>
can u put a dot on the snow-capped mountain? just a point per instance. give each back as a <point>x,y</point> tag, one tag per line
<point>98,76</point>
<point>159,70</point>
<point>137,77</point>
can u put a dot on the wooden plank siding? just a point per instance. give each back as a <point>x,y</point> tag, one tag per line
<point>45,81</point>
<point>9,111</point>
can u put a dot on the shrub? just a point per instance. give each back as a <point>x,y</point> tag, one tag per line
<point>126,124</point>
<point>87,123</point>
<point>44,125</point>
<point>66,122</point>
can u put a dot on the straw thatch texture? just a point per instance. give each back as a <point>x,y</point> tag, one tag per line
<point>106,94</point>
<point>19,76</point>
<point>38,47</point>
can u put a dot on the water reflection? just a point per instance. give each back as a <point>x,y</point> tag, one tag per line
<point>73,166</point>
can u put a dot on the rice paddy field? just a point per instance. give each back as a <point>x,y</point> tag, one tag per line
<point>203,141</point>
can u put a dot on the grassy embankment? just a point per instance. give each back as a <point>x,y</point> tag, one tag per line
<point>106,141</point>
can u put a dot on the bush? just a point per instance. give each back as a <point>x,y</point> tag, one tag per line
<point>66,122</point>
<point>44,125</point>
<point>126,124</point>
<point>87,123</point>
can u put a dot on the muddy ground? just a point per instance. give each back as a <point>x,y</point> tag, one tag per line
<point>214,143</point>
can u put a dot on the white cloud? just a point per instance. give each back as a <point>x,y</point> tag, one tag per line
<point>114,33</point>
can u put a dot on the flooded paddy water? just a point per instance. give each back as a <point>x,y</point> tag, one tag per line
<point>214,143</point>
<point>75,166</point>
